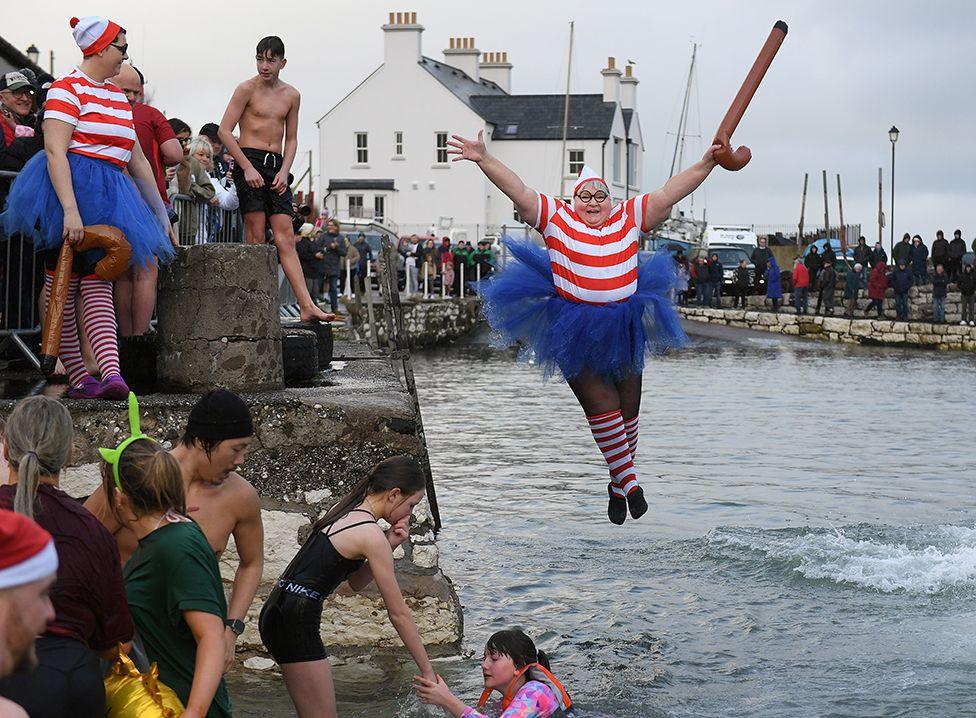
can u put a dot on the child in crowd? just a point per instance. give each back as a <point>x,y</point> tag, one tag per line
<point>172,581</point>
<point>514,668</point>
<point>345,545</point>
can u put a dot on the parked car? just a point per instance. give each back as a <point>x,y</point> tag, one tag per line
<point>729,255</point>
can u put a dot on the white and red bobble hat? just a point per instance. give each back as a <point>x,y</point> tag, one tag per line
<point>27,552</point>
<point>93,34</point>
<point>588,174</point>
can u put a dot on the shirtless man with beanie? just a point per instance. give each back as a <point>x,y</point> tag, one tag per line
<point>218,434</point>
<point>265,108</point>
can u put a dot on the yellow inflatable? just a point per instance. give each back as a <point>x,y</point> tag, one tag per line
<point>131,694</point>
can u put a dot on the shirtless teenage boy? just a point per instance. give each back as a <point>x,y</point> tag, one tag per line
<point>217,436</point>
<point>264,108</point>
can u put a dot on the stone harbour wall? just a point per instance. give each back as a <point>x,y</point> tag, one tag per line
<point>427,322</point>
<point>310,446</point>
<point>875,332</point>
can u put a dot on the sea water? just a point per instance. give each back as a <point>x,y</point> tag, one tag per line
<point>810,549</point>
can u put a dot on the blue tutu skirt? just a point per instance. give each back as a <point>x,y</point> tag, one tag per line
<point>105,195</point>
<point>609,340</point>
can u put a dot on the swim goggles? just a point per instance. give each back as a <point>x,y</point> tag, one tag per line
<point>112,456</point>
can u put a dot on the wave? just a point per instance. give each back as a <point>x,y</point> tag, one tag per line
<point>920,560</point>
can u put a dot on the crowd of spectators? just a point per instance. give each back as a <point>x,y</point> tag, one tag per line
<point>864,272</point>
<point>429,267</point>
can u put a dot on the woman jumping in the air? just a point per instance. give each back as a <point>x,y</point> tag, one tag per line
<point>583,306</point>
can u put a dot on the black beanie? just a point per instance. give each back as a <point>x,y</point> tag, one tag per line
<point>220,415</point>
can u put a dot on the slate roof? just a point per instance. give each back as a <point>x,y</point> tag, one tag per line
<point>336,184</point>
<point>627,115</point>
<point>16,58</point>
<point>540,117</point>
<point>458,82</point>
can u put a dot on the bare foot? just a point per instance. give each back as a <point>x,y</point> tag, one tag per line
<point>314,314</point>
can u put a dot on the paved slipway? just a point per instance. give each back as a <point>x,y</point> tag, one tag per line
<point>810,548</point>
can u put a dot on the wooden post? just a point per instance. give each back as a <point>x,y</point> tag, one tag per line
<point>881,217</point>
<point>803,209</point>
<point>843,228</point>
<point>826,212</point>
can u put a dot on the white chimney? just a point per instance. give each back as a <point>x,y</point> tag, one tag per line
<point>401,38</point>
<point>496,67</point>
<point>628,89</point>
<point>611,81</point>
<point>463,55</point>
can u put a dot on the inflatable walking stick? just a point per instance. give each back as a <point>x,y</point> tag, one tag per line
<point>737,159</point>
<point>115,261</point>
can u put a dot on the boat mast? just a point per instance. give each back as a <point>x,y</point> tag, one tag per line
<point>679,141</point>
<point>563,165</point>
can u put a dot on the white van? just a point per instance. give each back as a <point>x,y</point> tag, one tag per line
<point>730,234</point>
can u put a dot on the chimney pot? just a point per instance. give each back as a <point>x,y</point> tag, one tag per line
<point>505,56</point>
<point>413,18</point>
<point>392,15</point>
<point>399,18</point>
<point>452,43</point>
<point>471,40</point>
<point>611,63</point>
<point>628,71</point>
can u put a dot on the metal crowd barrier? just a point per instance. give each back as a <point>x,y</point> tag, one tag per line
<point>21,282</point>
<point>202,223</point>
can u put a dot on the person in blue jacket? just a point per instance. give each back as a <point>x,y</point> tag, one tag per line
<point>920,260</point>
<point>901,281</point>
<point>774,283</point>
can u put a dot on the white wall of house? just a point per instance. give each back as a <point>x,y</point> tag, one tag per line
<point>401,96</point>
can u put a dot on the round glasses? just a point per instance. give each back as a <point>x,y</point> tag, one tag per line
<point>598,197</point>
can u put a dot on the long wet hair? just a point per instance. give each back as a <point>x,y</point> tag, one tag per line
<point>151,480</point>
<point>397,472</point>
<point>38,435</point>
<point>519,647</point>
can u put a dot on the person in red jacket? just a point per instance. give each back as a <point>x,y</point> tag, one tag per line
<point>877,286</point>
<point>801,286</point>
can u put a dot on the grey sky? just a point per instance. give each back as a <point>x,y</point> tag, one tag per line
<point>846,73</point>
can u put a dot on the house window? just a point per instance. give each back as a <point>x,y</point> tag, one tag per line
<point>575,162</point>
<point>616,160</point>
<point>379,206</point>
<point>355,205</point>
<point>441,138</point>
<point>634,179</point>
<point>398,144</point>
<point>362,150</point>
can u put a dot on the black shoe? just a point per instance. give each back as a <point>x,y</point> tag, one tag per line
<point>637,503</point>
<point>616,508</point>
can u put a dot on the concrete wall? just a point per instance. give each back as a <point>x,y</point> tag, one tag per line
<point>873,332</point>
<point>310,446</point>
<point>429,322</point>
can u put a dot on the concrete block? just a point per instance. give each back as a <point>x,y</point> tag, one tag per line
<point>893,338</point>
<point>840,326</point>
<point>767,319</point>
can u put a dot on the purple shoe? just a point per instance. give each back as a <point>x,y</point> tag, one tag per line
<point>113,388</point>
<point>89,388</point>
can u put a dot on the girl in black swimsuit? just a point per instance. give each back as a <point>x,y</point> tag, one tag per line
<point>345,545</point>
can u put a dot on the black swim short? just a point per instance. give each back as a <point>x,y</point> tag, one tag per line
<point>289,627</point>
<point>262,199</point>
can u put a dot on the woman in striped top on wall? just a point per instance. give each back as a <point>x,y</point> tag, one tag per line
<point>584,306</point>
<point>83,178</point>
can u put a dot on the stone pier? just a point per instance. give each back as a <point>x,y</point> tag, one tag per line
<point>871,332</point>
<point>426,322</point>
<point>310,446</point>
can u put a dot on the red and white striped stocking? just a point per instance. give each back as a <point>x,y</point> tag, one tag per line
<point>70,352</point>
<point>611,436</point>
<point>101,326</point>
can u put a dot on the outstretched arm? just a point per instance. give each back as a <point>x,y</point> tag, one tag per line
<point>525,198</point>
<point>677,188</point>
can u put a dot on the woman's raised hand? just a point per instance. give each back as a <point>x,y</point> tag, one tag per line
<point>473,150</point>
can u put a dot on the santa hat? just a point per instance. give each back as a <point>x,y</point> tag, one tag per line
<point>93,34</point>
<point>27,552</point>
<point>588,174</point>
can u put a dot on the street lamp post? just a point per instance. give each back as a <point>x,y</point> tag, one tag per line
<point>33,54</point>
<point>893,136</point>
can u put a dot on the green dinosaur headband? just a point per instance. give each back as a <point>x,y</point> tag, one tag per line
<point>112,456</point>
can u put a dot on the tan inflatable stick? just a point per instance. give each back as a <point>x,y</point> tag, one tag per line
<point>726,157</point>
<point>115,261</point>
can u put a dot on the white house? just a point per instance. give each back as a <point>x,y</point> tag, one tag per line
<point>383,147</point>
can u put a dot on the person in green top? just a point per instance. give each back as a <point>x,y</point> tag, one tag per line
<point>172,581</point>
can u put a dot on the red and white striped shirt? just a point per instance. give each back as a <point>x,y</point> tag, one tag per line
<point>100,114</point>
<point>594,265</point>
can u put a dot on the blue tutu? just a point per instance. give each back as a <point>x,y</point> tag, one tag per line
<point>610,340</point>
<point>105,195</point>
